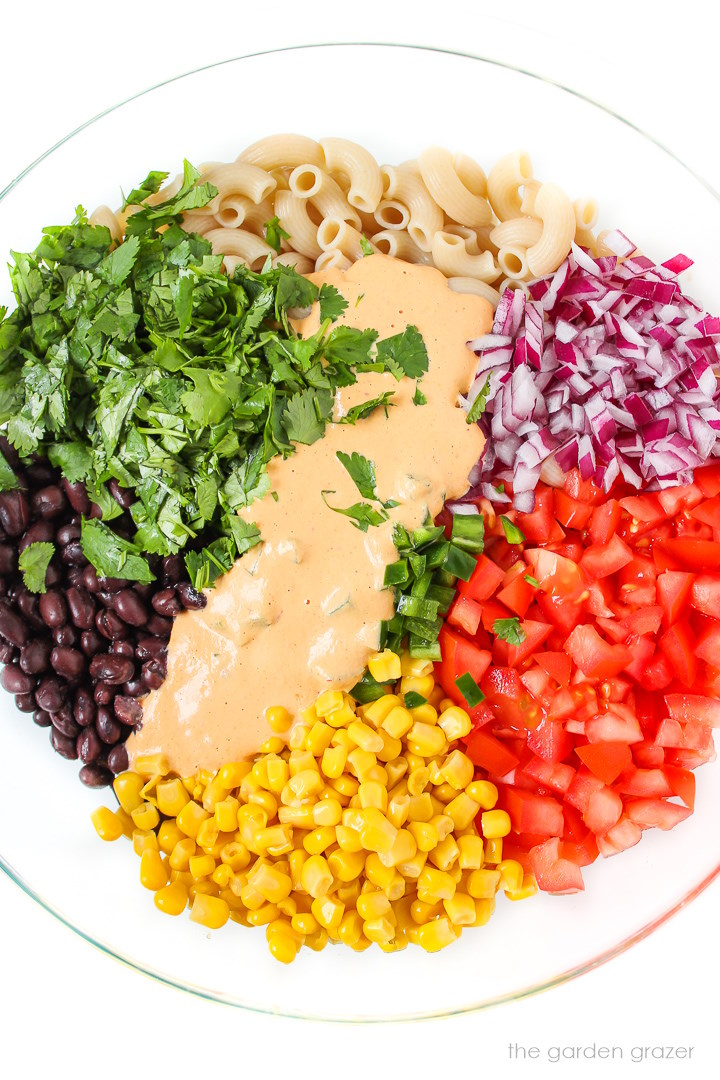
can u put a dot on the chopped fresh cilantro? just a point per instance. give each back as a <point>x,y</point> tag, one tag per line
<point>149,186</point>
<point>509,630</point>
<point>33,562</point>
<point>531,581</point>
<point>478,406</point>
<point>366,247</point>
<point>362,411</point>
<point>361,471</point>
<point>404,354</point>
<point>332,303</point>
<point>301,419</point>
<point>469,689</point>
<point>418,397</point>
<point>513,535</point>
<point>500,488</point>
<point>8,479</point>
<point>111,555</point>
<point>275,234</point>
<point>362,514</point>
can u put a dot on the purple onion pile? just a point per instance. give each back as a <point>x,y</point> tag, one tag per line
<point>80,656</point>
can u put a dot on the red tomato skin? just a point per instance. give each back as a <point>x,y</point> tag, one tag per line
<point>517,595</point>
<point>583,852</point>
<point>553,873</point>
<point>673,590</point>
<point>705,594</point>
<point>595,657</point>
<point>531,813</point>
<point>604,521</point>
<point>465,614</point>
<point>485,579</point>
<point>604,559</point>
<point>540,526</point>
<point>535,634</point>
<point>708,512</point>
<point>550,741</point>
<point>459,656</point>
<point>606,760</point>
<point>678,644</point>
<point>571,513</point>
<point>490,753</point>
<point>707,480</point>
<point>687,554</point>
<point>557,665</point>
<point>656,813</point>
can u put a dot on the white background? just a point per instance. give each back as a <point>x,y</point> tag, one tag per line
<point>67,1010</point>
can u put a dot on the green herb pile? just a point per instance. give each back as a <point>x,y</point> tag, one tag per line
<point>144,363</point>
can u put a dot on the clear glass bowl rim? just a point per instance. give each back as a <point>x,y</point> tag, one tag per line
<point>527,991</point>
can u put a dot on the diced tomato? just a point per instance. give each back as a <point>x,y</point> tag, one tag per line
<point>553,873</point>
<point>601,560</point>
<point>657,673</point>
<point>708,512</point>
<point>531,813</point>
<point>599,597</point>
<point>648,783</point>
<point>707,480</point>
<point>682,783</point>
<point>707,646</point>
<point>645,620</point>
<point>604,521</point>
<point>642,652</point>
<point>563,614</point>
<point>581,852</point>
<point>557,576</point>
<point>673,590</point>
<point>535,634</point>
<point>605,760</point>
<point>557,665</point>
<point>596,657</point>
<point>656,813</point>
<point>485,579</point>
<point>603,810</point>
<point>622,836</point>
<point>540,526</point>
<point>684,497</point>
<point>705,594</point>
<point>550,775</point>
<point>465,614</point>
<point>684,707</point>
<point>458,657</point>
<point>571,513</point>
<point>490,753</point>
<point>550,741</point>
<point>537,683</point>
<point>518,594</point>
<point>582,787</point>
<point>510,701</point>
<point>648,756</point>
<point>678,644</point>
<point>492,610</point>
<point>686,554</point>
<point>645,508</point>
<point>586,491</point>
<point>618,724</point>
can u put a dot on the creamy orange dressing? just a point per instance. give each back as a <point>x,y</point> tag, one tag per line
<point>301,612</point>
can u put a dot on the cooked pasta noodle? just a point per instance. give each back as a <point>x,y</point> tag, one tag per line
<point>586,213</point>
<point>462,197</point>
<point>402,185</point>
<point>400,245</point>
<point>294,218</point>
<point>332,260</point>
<point>346,159</point>
<point>103,215</point>
<point>504,181</point>
<point>334,233</point>
<point>512,260</point>
<point>450,255</point>
<point>279,151</point>
<point>249,247</point>
<point>476,288</point>
<point>391,214</point>
<point>197,221</point>
<point>470,236</point>
<point>324,193</point>
<point>302,264</point>
<point>529,193</point>
<point>238,178</point>
<point>554,209</point>
<point>523,231</point>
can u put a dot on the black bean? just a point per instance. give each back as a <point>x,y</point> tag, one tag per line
<point>91,642</point>
<point>103,693</point>
<point>27,602</point>
<point>72,554</point>
<point>41,532</point>
<point>108,727</point>
<point>95,511</point>
<point>127,710</point>
<point>124,496</point>
<point>42,718</point>
<point>12,627</point>
<point>173,569</point>
<point>53,609</point>
<point>153,674</point>
<point>122,648</point>
<point>74,575</point>
<point>167,603</point>
<point>117,759</point>
<point>112,668</point>
<point>77,496</point>
<point>150,648</point>
<point>8,559</point>
<point>159,626</point>
<point>14,512</point>
<point>39,473</point>
<point>48,502</point>
<point>65,636</point>
<point>3,586</point>
<point>68,662</point>
<point>191,598</point>
<point>35,656</point>
<point>107,599</point>
<point>93,583</point>
<point>145,592</point>
<point>51,694</point>
<point>95,776</point>
<point>84,709</point>
<point>53,574</point>
<point>89,747</point>
<point>65,722</point>
<point>25,702</point>
<point>67,533</point>
<point>63,745</point>
<point>7,653</point>
<point>130,607</point>
<point>82,607</point>
<point>16,681</point>
<point>109,625</point>
<point>9,452</point>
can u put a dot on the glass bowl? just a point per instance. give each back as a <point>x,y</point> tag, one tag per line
<point>415,98</point>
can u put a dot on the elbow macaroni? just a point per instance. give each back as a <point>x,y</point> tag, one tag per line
<point>555,210</point>
<point>347,159</point>
<point>457,185</point>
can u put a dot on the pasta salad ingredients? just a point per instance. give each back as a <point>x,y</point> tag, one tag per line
<point>367,828</point>
<point>605,365</point>
<point>592,721</point>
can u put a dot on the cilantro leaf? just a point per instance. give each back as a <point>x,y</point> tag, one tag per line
<point>275,234</point>
<point>509,630</point>
<point>302,419</point>
<point>365,246</point>
<point>404,354</point>
<point>332,303</point>
<point>149,186</point>
<point>366,408</point>
<point>245,534</point>
<point>362,472</point>
<point>418,397</point>
<point>361,514</point>
<point>350,345</point>
<point>116,266</point>
<point>111,555</point>
<point>33,562</point>
<point>479,404</point>
<point>470,690</point>
<point>513,534</point>
<point>74,459</point>
<point>8,479</point>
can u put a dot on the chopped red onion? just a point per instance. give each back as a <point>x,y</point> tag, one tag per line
<point>606,366</point>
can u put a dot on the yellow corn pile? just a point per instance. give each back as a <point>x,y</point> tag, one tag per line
<point>362,828</point>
